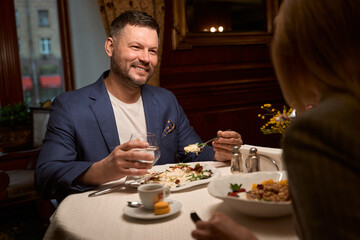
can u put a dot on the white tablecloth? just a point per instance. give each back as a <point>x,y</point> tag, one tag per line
<point>81,217</point>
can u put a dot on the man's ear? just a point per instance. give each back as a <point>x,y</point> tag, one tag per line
<point>109,46</point>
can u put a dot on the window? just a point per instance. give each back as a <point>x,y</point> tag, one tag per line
<point>44,18</point>
<point>23,75</point>
<point>17,18</point>
<point>45,46</point>
<point>19,44</point>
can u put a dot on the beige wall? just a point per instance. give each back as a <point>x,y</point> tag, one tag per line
<point>88,39</point>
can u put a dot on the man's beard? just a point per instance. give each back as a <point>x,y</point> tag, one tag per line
<point>124,76</point>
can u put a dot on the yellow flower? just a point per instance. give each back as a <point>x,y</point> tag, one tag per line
<point>278,120</point>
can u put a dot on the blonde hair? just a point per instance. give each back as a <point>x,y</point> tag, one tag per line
<point>316,49</point>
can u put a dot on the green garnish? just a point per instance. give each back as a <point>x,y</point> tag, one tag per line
<point>235,187</point>
<point>199,176</point>
<point>182,165</point>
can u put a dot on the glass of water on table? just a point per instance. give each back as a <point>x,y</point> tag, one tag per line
<point>153,149</point>
<point>153,145</point>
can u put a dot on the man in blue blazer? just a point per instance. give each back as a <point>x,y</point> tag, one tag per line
<point>86,142</point>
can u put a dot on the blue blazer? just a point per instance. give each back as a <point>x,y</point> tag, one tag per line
<point>82,130</point>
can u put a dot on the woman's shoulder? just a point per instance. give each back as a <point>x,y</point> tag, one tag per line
<point>333,122</point>
<point>339,107</point>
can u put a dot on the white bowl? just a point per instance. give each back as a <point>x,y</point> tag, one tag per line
<point>220,187</point>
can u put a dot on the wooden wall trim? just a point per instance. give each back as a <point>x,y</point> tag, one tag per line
<point>10,73</point>
<point>66,50</point>
<point>222,85</point>
<point>236,98</point>
<point>204,78</point>
<point>213,67</point>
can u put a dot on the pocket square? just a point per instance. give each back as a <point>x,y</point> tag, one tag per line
<point>168,128</point>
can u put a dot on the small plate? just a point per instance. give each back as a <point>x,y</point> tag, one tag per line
<point>145,214</point>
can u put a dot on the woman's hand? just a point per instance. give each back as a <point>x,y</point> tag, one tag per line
<point>221,227</point>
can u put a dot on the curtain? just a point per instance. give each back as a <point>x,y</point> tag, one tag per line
<point>110,9</point>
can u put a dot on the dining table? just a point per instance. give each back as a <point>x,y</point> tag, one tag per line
<point>79,216</point>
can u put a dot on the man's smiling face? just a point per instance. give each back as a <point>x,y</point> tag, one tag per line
<point>135,54</point>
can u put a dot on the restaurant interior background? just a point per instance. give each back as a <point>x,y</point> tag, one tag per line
<point>220,76</point>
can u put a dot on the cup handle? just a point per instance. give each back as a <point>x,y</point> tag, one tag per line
<point>166,192</point>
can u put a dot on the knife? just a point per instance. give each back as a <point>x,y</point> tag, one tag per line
<point>194,217</point>
<point>110,189</point>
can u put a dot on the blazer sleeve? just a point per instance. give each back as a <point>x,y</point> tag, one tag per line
<point>57,168</point>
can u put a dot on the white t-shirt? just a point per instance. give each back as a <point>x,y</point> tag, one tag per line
<point>130,118</point>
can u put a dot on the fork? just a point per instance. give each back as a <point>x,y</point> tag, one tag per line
<point>214,138</point>
<point>209,141</point>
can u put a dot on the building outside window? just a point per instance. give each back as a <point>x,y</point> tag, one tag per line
<point>43,18</point>
<point>17,18</point>
<point>45,46</point>
<point>19,44</point>
<point>40,55</point>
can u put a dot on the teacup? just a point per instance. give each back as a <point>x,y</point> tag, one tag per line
<point>151,193</point>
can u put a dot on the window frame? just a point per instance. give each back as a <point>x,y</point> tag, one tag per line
<point>10,73</point>
<point>45,16</point>
<point>45,46</point>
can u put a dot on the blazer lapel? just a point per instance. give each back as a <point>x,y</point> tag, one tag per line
<point>104,114</point>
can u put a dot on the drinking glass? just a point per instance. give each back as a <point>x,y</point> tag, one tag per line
<point>153,145</point>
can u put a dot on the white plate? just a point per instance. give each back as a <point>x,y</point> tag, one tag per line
<point>216,174</point>
<point>142,213</point>
<point>220,187</point>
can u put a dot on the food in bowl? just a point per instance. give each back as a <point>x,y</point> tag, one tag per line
<point>270,191</point>
<point>219,188</point>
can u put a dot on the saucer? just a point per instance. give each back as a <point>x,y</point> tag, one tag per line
<point>147,214</point>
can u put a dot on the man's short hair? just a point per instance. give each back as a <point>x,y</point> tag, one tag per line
<point>133,18</point>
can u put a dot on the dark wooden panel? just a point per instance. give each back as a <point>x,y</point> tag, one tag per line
<point>221,87</point>
<point>243,120</point>
<point>66,49</point>
<point>10,91</point>
<point>19,160</point>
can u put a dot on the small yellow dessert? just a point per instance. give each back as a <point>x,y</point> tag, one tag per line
<point>161,208</point>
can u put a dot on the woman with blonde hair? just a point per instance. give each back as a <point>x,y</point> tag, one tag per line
<point>316,55</point>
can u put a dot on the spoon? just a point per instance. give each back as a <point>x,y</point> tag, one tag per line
<point>134,204</point>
